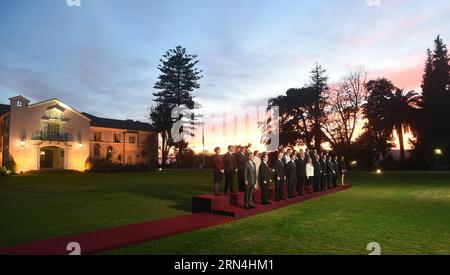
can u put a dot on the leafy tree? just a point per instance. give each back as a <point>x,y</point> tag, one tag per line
<point>389,108</point>
<point>344,110</point>
<point>403,109</point>
<point>160,117</point>
<point>302,111</point>
<point>178,79</point>
<point>377,111</point>
<point>370,145</point>
<point>296,122</point>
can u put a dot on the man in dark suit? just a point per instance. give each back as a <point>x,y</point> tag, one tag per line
<point>241,161</point>
<point>331,170</point>
<point>301,173</point>
<point>317,173</point>
<point>343,170</point>
<point>230,167</point>
<point>264,179</point>
<point>280,177</point>
<point>291,173</point>
<point>250,181</point>
<point>323,178</point>
<point>287,156</point>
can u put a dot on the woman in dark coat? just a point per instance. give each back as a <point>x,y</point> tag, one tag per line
<point>218,170</point>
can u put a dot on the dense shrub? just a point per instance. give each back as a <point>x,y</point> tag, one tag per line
<point>424,156</point>
<point>5,171</point>
<point>11,165</point>
<point>9,168</point>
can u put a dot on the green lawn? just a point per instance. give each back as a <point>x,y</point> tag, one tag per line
<point>407,213</point>
<point>34,207</point>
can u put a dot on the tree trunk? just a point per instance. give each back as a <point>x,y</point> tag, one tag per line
<point>164,150</point>
<point>317,137</point>
<point>402,145</point>
<point>179,155</point>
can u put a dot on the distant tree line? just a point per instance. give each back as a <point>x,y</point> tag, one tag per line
<point>320,113</point>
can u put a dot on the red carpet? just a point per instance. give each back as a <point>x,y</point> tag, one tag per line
<point>112,238</point>
<point>102,240</point>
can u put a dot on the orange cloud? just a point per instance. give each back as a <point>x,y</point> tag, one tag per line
<point>407,78</point>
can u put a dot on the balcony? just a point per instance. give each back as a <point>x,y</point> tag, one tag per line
<point>50,136</point>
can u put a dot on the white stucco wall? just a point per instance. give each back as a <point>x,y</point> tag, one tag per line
<point>26,120</point>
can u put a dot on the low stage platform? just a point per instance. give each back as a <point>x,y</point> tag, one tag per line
<point>232,205</point>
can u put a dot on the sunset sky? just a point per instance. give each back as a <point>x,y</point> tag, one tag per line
<point>102,57</point>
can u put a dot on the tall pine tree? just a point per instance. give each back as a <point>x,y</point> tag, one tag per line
<point>427,83</point>
<point>318,82</point>
<point>441,68</point>
<point>178,79</point>
<point>432,126</point>
<point>435,96</point>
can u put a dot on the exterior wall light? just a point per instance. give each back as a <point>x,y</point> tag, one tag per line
<point>22,142</point>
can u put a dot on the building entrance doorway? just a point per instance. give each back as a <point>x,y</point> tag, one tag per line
<point>52,158</point>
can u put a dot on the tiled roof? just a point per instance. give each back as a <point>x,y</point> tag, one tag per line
<point>119,124</point>
<point>4,109</point>
<point>103,122</point>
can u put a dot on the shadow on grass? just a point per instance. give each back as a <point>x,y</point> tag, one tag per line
<point>178,188</point>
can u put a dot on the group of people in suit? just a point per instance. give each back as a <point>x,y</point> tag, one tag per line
<point>304,171</point>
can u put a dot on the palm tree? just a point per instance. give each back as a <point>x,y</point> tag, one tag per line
<point>403,108</point>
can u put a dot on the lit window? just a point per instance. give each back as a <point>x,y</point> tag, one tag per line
<point>52,128</point>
